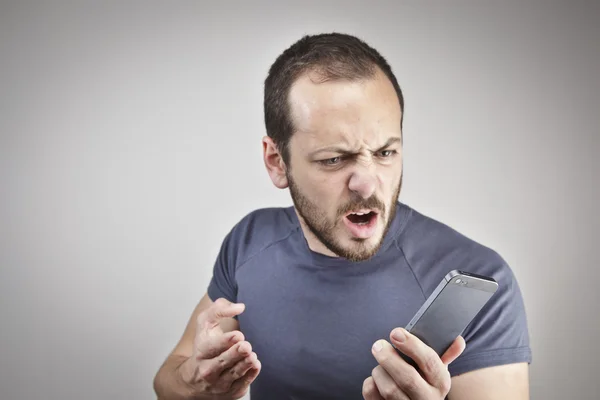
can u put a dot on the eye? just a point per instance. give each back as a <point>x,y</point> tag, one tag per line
<point>386,153</point>
<point>331,161</point>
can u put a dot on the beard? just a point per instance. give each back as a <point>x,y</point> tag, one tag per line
<point>323,228</point>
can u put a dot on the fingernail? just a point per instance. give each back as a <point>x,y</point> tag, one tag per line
<point>399,335</point>
<point>377,346</point>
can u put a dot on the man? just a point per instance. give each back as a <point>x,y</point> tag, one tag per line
<point>306,301</point>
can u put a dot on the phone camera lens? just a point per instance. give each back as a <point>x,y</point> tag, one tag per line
<point>458,281</point>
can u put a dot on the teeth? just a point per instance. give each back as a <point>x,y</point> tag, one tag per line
<point>361,213</point>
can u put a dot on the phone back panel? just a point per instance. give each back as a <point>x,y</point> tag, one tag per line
<point>450,312</point>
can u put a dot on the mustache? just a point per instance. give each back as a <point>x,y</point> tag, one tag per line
<point>371,203</point>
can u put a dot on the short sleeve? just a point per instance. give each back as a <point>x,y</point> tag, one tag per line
<point>223,282</point>
<point>499,334</point>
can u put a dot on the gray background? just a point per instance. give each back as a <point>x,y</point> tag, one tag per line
<point>130,144</point>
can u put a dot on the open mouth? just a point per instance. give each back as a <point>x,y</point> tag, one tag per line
<point>361,224</point>
<point>361,217</point>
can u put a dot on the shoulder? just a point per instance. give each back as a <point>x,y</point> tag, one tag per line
<point>258,230</point>
<point>433,248</point>
<point>499,333</point>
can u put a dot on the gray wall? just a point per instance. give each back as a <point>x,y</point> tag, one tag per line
<point>130,144</point>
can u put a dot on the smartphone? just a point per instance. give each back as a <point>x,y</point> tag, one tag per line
<point>455,302</point>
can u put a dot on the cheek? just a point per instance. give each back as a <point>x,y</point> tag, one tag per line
<point>389,178</point>
<point>328,191</point>
<point>328,194</point>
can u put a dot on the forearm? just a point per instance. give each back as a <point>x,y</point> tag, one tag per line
<point>168,383</point>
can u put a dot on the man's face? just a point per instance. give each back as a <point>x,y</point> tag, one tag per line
<point>345,167</point>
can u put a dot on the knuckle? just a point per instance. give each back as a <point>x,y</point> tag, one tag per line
<point>446,383</point>
<point>244,347</point>
<point>411,383</point>
<point>239,371</point>
<point>368,386</point>
<point>390,392</point>
<point>206,351</point>
<point>235,373</point>
<point>431,364</point>
<point>221,302</point>
<point>204,373</point>
<point>237,336</point>
<point>249,346</point>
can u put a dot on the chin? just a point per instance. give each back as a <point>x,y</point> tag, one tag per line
<point>362,249</point>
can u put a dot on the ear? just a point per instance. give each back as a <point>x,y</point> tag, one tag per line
<point>274,163</point>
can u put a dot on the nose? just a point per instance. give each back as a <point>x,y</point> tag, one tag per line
<point>363,181</point>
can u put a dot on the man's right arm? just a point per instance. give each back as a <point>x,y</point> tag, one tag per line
<point>212,359</point>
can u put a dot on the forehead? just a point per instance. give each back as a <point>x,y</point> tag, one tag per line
<point>359,112</point>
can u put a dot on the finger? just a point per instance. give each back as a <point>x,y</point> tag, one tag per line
<point>369,390</point>
<point>387,386</point>
<point>404,376</point>
<point>240,386</point>
<point>210,370</point>
<point>456,349</point>
<point>430,365</point>
<point>220,309</point>
<point>210,346</point>
<point>229,375</point>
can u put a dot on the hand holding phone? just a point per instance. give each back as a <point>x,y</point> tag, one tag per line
<point>434,330</point>
<point>394,378</point>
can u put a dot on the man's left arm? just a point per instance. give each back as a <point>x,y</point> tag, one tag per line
<point>395,379</point>
<point>495,363</point>
<point>502,382</point>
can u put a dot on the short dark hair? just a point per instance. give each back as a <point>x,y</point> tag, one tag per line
<point>333,56</point>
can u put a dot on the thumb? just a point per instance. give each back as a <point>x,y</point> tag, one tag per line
<point>220,309</point>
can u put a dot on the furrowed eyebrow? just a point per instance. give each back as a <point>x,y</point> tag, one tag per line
<point>346,152</point>
<point>333,149</point>
<point>389,142</point>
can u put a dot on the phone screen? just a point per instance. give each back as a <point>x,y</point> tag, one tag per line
<point>449,314</point>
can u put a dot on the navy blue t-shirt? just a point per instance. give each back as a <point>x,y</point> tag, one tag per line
<point>312,319</point>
